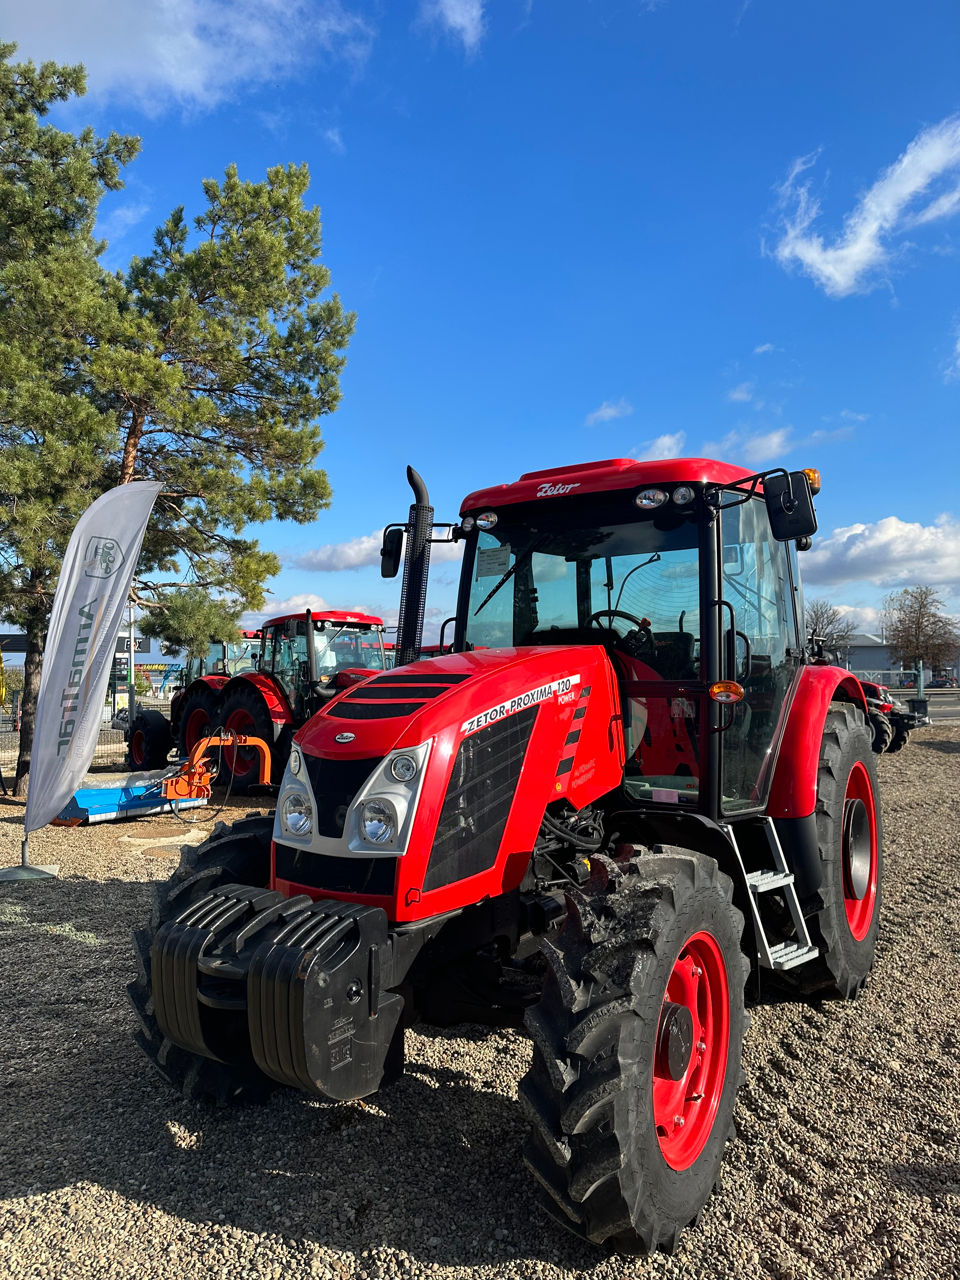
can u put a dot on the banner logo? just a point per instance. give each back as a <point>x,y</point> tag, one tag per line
<point>102,558</point>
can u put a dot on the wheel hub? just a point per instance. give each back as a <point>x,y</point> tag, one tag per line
<point>676,1040</point>
<point>857,847</point>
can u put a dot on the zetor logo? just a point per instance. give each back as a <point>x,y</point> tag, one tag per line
<point>103,557</point>
<point>554,490</point>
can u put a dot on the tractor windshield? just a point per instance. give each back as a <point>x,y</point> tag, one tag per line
<point>588,572</point>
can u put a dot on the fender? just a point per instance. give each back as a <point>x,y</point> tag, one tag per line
<point>277,705</point>
<point>794,790</point>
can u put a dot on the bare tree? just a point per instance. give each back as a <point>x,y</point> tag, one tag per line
<point>824,620</point>
<point>918,631</point>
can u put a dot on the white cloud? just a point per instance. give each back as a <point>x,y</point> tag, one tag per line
<point>856,258</point>
<point>334,141</point>
<point>764,349</point>
<point>191,53</point>
<point>115,224</point>
<point>890,553</point>
<point>863,617</point>
<point>952,371</point>
<point>742,393</point>
<point>669,445</point>
<point>460,18</point>
<point>848,415</point>
<point>609,410</point>
<point>277,608</point>
<point>359,553</point>
<point>755,449</point>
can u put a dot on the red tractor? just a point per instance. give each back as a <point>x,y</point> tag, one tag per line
<point>267,685</point>
<point>625,788</point>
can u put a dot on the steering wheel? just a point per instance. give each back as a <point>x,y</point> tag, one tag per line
<point>638,643</point>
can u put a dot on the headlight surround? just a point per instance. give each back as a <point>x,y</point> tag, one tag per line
<point>378,821</point>
<point>296,762</point>
<point>296,814</point>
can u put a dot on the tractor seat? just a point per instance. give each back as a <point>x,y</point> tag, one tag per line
<point>674,654</point>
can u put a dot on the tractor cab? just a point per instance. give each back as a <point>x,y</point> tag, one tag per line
<point>676,570</point>
<point>313,656</point>
<point>225,658</point>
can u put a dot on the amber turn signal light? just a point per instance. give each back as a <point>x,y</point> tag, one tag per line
<point>726,691</point>
<point>813,475</point>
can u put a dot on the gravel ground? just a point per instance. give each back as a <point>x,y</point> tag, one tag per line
<point>847,1163</point>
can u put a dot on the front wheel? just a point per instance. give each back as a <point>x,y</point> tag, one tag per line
<point>637,1044</point>
<point>150,741</point>
<point>238,854</point>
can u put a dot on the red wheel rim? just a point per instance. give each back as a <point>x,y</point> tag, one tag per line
<point>138,746</point>
<point>859,853</point>
<point>240,760</point>
<point>688,1086</point>
<point>197,727</point>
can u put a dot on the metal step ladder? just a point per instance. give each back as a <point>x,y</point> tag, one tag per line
<point>772,954</point>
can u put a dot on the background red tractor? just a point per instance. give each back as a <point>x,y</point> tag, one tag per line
<point>269,684</point>
<point>625,787</point>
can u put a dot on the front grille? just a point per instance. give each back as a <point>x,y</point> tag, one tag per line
<point>388,696</point>
<point>336,783</point>
<point>375,876</point>
<point>478,799</point>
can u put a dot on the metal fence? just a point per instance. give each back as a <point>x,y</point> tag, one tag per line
<point>889,679</point>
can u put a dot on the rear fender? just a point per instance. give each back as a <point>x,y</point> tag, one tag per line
<point>269,690</point>
<point>794,790</point>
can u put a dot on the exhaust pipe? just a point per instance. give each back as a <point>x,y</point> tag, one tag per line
<point>416,567</point>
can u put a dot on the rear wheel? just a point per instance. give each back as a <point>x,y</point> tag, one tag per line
<point>850,839</point>
<point>637,1044</point>
<point>150,741</point>
<point>238,854</point>
<point>244,711</point>
<point>899,737</point>
<point>199,716</point>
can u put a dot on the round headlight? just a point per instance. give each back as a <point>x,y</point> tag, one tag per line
<point>682,495</point>
<point>467,523</point>
<point>296,814</point>
<point>649,498</point>
<point>378,822</point>
<point>487,520</point>
<point>403,768</point>
<point>296,762</point>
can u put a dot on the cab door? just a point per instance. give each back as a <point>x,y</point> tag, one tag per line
<point>760,650</point>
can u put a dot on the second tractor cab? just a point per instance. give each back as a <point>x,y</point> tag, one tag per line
<point>625,788</point>
<point>277,678</point>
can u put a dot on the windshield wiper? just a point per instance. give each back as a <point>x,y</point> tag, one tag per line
<point>521,559</point>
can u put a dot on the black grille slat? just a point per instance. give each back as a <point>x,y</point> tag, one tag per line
<point>336,784</point>
<point>375,876</point>
<point>371,710</point>
<point>479,795</point>
<point>398,692</point>
<point>403,678</point>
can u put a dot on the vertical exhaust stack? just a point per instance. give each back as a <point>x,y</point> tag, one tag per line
<point>416,566</point>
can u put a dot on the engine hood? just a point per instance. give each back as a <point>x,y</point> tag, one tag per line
<point>459,691</point>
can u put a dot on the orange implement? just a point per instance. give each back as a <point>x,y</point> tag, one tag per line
<point>194,779</point>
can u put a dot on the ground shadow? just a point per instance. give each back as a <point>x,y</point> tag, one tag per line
<point>82,1104</point>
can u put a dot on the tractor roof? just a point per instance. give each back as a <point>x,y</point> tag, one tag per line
<point>599,477</point>
<point>329,615</point>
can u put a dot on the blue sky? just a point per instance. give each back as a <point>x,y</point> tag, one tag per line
<point>583,229</point>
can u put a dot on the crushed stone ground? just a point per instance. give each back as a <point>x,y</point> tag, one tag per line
<point>847,1162</point>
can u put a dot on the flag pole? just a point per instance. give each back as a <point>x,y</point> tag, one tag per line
<point>26,870</point>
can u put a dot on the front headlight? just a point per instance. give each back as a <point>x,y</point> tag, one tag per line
<point>296,814</point>
<point>378,822</point>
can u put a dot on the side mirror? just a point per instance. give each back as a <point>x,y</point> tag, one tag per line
<point>789,506</point>
<point>391,551</point>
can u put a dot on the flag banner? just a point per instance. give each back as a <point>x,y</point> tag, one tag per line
<point>87,612</point>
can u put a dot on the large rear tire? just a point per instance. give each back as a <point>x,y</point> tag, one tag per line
<point>245,711</point>
<point>239,854</point>
<point>150,741</point>
<point>637,1044</point>
<point>850,839</point>
<point>883,733</point>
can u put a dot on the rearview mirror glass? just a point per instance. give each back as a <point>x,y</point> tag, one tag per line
<point>390,553</point>
<point>789,506</point>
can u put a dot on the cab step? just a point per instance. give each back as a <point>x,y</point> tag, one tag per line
<point>787,955</point>
<point>764,881</point>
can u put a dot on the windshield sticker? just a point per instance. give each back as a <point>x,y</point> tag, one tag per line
<point>493,561</point>
<point>556,688</point>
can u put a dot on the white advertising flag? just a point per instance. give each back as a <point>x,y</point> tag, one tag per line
<point>87,611</point>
